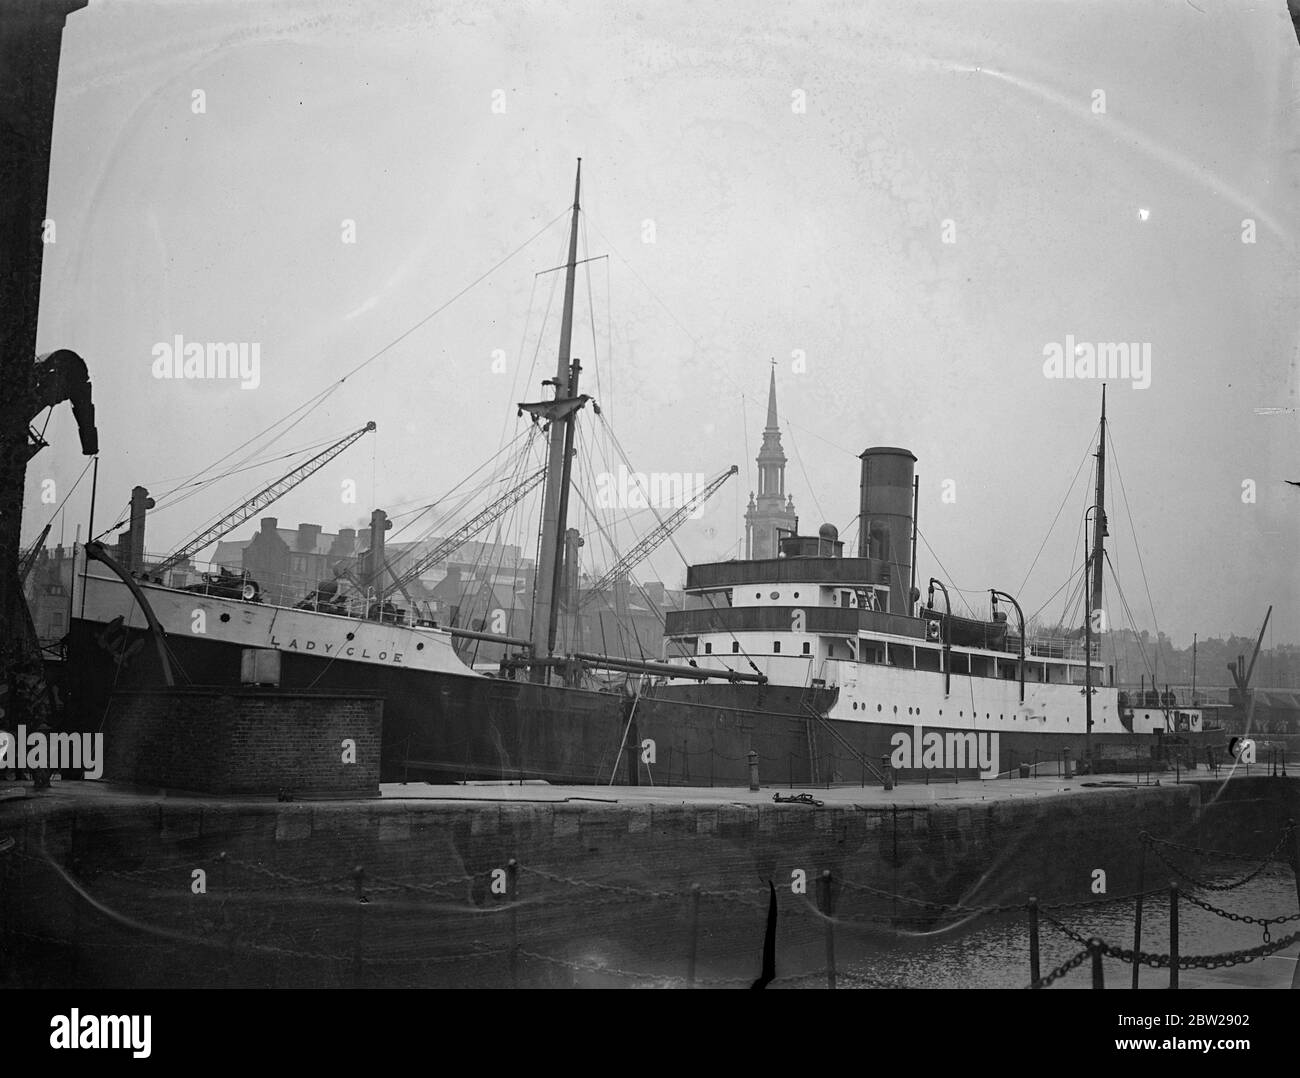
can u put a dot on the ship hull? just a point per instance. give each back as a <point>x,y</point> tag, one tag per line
<point>445,727</point>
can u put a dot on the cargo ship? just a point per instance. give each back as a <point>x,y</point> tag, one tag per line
<point>813,666</point>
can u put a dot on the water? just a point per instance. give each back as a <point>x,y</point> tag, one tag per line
<point>993,952</point>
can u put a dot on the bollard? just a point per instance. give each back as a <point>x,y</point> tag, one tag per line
<point>1098,977</point>
<point>1033,943</point>
<point>1065,763</point>
<point>1137,920</point>
<point>1173,934</point>
<point>826,907</point>
<point>888,771</point>
<point>695,928</point>
<point>512,896</point>
<point>753,769</point>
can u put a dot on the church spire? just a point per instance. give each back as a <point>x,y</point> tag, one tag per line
<point>772,512</point>
<point>771,401</point>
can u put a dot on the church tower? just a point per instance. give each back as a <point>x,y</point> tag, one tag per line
<point>772,511</point>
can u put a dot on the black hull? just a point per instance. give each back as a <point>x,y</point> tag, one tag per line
<point>444,727</point>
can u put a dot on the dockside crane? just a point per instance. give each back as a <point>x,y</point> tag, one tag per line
<point>656,538</point>
<point>260,500</point>
<point>464,533</point>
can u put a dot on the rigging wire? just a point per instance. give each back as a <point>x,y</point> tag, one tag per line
<point>1060,509</point>
<point>961,592</point>
<point>63,503</point>
<point>310,405</point>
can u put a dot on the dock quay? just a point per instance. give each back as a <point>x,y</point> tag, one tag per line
<point>530,885</point>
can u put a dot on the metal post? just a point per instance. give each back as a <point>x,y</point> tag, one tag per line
<point>753,769</point>
<point>512,897</point>
<point>695,928</point>
<point>1137,920</point>
<point>1098,977</point>
<point>887,770</point>
<point>1295,872</point>
<point>1033,943</point>
<point>1065,762</point>
<point>1173,934</point>
<point>824,902</point>
<point>358,924</point>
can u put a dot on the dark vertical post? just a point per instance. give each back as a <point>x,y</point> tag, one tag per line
<point>887,770</point>
<point>1173,934</point>
<point>695,929</point>
<point>824,902</point>
<point>1295,872</point>
<point>1137,919</point>
<point>1033,943</point>
<point>1098,976</point>
<point>512,897</point>
<point>753,769</point>
<point>358,924</point>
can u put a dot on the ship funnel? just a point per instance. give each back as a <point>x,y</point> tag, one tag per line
<point>885,520</point>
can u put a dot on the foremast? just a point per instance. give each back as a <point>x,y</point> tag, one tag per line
<point>561,413</point>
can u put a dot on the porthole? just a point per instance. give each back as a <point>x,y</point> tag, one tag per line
<point>225,617</point>
<point>796,595</point>
<point>909,710</point>
<point>941,711</point>
<point>895,709</point>
<point>877,707</point>
<point>855,705</point>
<point>351,635</point>
<point>419,646</point>
<point>961,714</point>
<point>776,595</point>
<point>758,595</point>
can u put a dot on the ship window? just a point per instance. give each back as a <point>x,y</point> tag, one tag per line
<point>758,595</point>
<point>776,647</point>
<point>806,647</point>
<point>735,646</point>
<point>776,595</point>
<point>796,595</point>
<point>708,649</point>
<point>830,651</point>
<point>877,707</point>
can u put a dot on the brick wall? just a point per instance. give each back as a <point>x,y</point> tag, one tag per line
<point>245,742</point>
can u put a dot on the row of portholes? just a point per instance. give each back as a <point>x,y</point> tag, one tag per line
<point>775,595</point>
<point>960,714</point>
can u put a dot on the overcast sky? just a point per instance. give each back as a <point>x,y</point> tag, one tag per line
<point>768,180</point>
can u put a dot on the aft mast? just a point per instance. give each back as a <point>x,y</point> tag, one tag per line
<point>1099,531</point>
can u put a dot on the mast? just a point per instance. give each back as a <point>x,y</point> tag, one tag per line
<point>554,503</point>
<point>1092,603</point>
<point>1099,531</point>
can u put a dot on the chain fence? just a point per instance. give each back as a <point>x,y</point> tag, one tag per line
<point>492,919</point>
